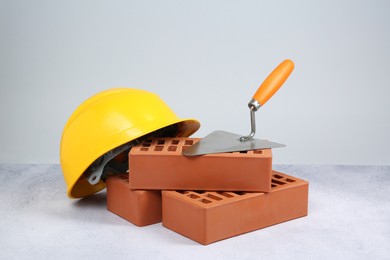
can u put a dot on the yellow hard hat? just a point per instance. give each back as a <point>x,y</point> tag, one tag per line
<point>110,123</point>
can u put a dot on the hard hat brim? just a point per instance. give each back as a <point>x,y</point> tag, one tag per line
<point>81,187</point>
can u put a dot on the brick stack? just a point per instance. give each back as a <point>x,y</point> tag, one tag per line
<point>205,198</point>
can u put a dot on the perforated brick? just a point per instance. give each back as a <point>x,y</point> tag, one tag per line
<point>206,217</point>
<point>139,207</point>
<point>158,164</point>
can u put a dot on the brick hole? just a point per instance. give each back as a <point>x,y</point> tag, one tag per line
<point>243,152</point>
<point>158,148</point>
<point>225,194</point>
<point>290,180</point>
<point>144,149</point>
<point>240,193</point>
<point>185,147</point>
<point>277,176</point>
<point>278,182</point>
<point>145,144</point>
<point>211,196</point>
<point>188,142</point>
<point>160,141</point>
<point>182,191</point>
<point>172,148</point>
<point>257,151</point>
<point>273,185</point>
<point>175,142</point>
<point>205,201</point>
<point>193,196</point>
<point>199,191</point>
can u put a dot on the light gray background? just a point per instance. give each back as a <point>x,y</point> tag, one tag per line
<point>349,216</point>
<point>205,59</point>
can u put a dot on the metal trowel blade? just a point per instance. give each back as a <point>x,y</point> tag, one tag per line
<point>222,142</point>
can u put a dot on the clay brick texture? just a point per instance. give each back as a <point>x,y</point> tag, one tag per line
<point>207,217</point>
<point>139,207</point>
<point>159,165</point>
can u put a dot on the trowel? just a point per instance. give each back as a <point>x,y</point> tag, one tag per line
<point>222,142</point>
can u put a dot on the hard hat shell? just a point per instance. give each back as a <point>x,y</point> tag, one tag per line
<point>108,120</point>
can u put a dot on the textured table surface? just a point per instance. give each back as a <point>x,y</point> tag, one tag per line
<point>349,218</point>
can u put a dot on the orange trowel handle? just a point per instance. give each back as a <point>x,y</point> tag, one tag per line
<point>271,84</point>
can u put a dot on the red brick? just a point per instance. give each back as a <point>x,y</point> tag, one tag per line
<point>159,165</point>
<point>207,217</point>
<point>139,207</point>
